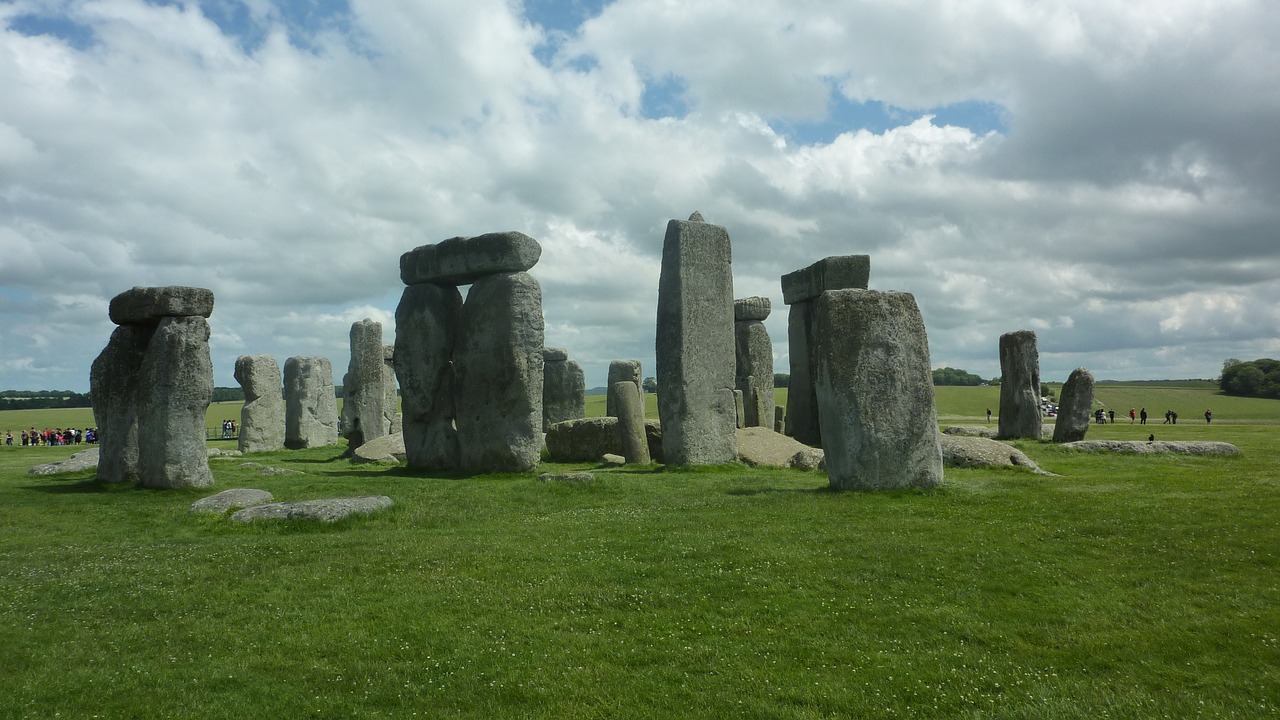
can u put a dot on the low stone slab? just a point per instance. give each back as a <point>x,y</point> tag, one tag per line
<point>220,454</point>
<point>571,478</point>
<point>324,510</point>
<point>268,470</point>
<point>80,461</point>
<point>756,307</point>
<point>1156,446</point>
<point>552,354</point>
<point>590,439</point>
<point>463,260</point>
<point>961,451</point>
<point>387,449</point>
<point>232,499</point>
<point>841,272</point>
<point>146,305</point>
<point>761,446</point>
<point>970,431</point>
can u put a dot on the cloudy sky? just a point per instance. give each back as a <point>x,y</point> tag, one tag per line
<point>1104,173</point>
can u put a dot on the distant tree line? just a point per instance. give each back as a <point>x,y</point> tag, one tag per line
<point>42,399</point>
<point>955,376</point>
<point>1251,378</point>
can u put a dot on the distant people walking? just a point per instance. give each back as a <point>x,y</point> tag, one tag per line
<point>1208,420</point>
<point>1100,416</point>
<point>1168,417</point>
<point>1174,416</point>
<point>1133,415</point>
<point>1111,416</point>
<point>988,416</point>
<point>1143,415</point>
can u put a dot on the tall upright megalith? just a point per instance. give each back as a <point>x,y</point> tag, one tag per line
<point>364,404</point>
<point>695,348</point>
<point>152,385</point>
<point>875,391</point>
<point>1074,404</point>
<point>310,409</point>
<point>799,290</point>
<point>262,416</point>
<point>1019,386</point>
<point>755,360</point>
<point>564,388</point>
<point>471,372</point>
<point>623,371</point>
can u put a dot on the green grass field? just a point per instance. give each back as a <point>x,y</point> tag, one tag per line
<point>1126,587</point>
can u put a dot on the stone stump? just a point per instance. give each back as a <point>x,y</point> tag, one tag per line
<point>364,404</point>
<point>1074,406</point>
<point>755,360</point>
<point>620,371</point>
<point>875,391</point>
<point>631,427</point>
<point>113,384</point>
<point>695,347</point>
<point>1019,386</point>
<point>310,408</point>
<point>799,290</point>
<point>564,388</point>
<point>498,365</point>
<point>426,333</point>
<point>262,417</point>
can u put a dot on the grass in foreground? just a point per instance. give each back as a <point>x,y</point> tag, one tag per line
<point>1128,587</point>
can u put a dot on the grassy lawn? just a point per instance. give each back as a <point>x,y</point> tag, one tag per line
<point>1128,587</point>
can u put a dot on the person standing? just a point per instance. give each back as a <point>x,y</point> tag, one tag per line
<point>8,436</point>
<point>988,416</point>
<point>1111,416</point>
<point>1208,420</point>
<point>1133,415</point>
<point>1143,415</point>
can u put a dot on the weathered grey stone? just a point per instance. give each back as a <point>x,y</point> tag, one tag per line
<point>426,333</point>
<point>611,460</point>
<point>755,307</point>
<point>803,423</point>
<point>779,419</point>
<point>262,416</point>
<point>571,478</point>
<point>875,391</point>
<point>364,408</point>
<point>970,431</point>
<point>695,348</point>
<point>175,383</point>
<point>1074,404</point>
<point>388,450</point>
<point>146,305</point>
<point>564,391</point>
<point>620,371</point>
<point>754,376</point>
<point>841,272</point>
<point>498,365</point>
<point>324,510</point>
<point>310,408</point>
<point>631,432</point>
<point>269,470</point>
<point>759,446</point>
<point>113,384</point>
<point>232,499</point>
<point>554,354</point>
<point>589,439</point>
<point>391,418</point>
<point>740,412</point>
<point>975,451</point>
<point>463,260</point>
<point>696,216</point>
<point>1019,386</point>
<point>220,454</point>
<point>1157,446</point>
<point>82,460</point>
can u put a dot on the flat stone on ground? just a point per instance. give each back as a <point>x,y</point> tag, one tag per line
<point>82,460</point>
<point>970,431</point>
<point>761,446</point>
<point>388,449</point>
<point>232,499</point>
<point>463,260</point>
<point>1157,446</point>
<point>959,451</point>
<point>146,305</point>
<point>324,510</point>
<point>571,478</point>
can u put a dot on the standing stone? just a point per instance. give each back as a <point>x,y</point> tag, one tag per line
<point>564,388</point>
<point>262,417</point>
<point>799,290</point>
<point>779,419</point>
<point>498,365</point>
<point>1019,386</point>
<point>631,428</point>
<point>175,384</point>
<point>365,398</point>
<point>426,333</point>
<point>623,371</point>
<point>310,409</point>
<point>755,360</point>
<point>113,384</point>
<point>1074,405</point>
<point>695,348</point>
<point>875,391</point>
<point>390,396</point>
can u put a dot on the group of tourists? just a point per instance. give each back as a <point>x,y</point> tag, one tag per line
<point>58,436</point>
<point>228,429</point>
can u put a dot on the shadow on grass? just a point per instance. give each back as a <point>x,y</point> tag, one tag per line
<point>74,488</point>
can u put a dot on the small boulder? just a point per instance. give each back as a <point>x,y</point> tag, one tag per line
<point>959,451</point>
<point>759,446</point>
<point>80,461</point>
<point>324,510</point>
<point>232,499</point>
<point>388,449</point>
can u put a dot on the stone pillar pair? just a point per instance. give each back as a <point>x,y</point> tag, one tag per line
<point>471,372</point>
<point>303,414</point>
<point>151,388</point>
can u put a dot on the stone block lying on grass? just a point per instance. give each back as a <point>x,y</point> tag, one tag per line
<point>268,470</point>
<point>759,446</point>
<point>571,478</point>
<point>589,439</point>
<point>1157,446</point>
<point>80,461</point>
<point>388,449</point>
<point>970,431</point>
<point>232,499</point>
<point>323,510</point>
<point>960,451</point>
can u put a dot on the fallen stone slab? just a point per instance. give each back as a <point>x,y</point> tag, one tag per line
<point>970,431</point>
<point>323,510</point>
<point>1142,447</point>
<point>232,499</point>
<point>758,446</point>
<point>463,260</point>
<point>590,439</point>
<point>146,305</point>
<point>571,478</point>
<point>80,461</point>
<point>388,449</point>
<point>220,454</point>
<point>268,470</point>
<point>963,451</point>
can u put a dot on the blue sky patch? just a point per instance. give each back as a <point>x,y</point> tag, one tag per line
<point>664,97</point>
<point>76,35</point>
<point>845,115</point>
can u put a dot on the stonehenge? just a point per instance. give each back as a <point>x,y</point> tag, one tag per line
<point>262,418</point>
<point>694,346</point>
<point>564,388</point>
<point>619,371</point>
<point>368,406</point>
<point>310,409</point>
<point>631,429</point>
<point>1074,405</point>
<point>151,386</point>
<point>754,350</point>
<point>799,290</point>
<point>1019,386</point>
